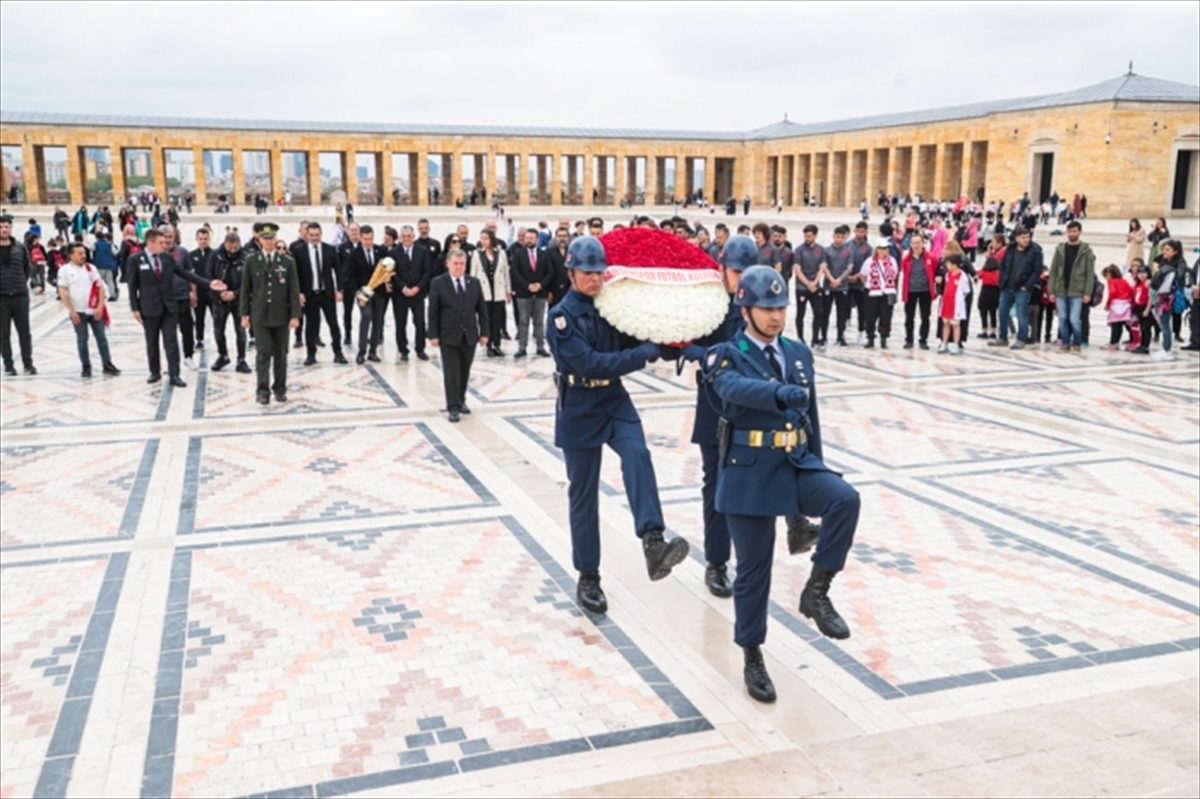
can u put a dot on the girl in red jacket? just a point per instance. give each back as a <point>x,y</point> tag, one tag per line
<point>1141,308</point>
<point>1119,304</point>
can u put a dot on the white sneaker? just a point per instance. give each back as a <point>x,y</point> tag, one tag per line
<point>955,350</point>
<point>943,347</point>
<point>861,336</point>
<point>190,363</point>
<point>1162,355</point>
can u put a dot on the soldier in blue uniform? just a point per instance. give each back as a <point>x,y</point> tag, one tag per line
<point>771,465</point>
<point>739,254</point>
<point>594,409</point>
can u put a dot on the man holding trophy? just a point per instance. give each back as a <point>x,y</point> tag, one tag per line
<point>370,268</point>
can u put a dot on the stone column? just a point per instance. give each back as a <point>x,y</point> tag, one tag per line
<point>623,181</point>
<point>158,165</point>
<point>201,176</point>
<point>419,192</point>
<point>968,157</point>
<point>939,172</point>
<point>350,175</point>
<point>276,174</point>
<point>383,178</point>
<point>589,176</point>
<point>75,183</point>
<point>651,190</point>
<point>602,178</point>
<point>572,178</point>
<point>556,182</point>
<point>893,168</point>
<point>33,180</point>
<point>312,165</point>
<point>239,178</point>
<point>117,169</point>
<point>710,178</point>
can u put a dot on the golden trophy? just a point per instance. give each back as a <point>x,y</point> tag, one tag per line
<point>382,274</point>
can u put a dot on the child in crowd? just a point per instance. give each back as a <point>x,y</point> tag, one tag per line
<point>989,297</point>
<point>956,294</point>
<point>1119,303</point>
<point>1141,306</point>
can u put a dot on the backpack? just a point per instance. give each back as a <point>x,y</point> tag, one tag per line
<point>1181,301</point>
<point>1097,293</point>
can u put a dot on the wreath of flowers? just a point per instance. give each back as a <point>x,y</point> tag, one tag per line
<point>659,288</point>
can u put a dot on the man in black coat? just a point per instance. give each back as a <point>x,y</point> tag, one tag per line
<point>410,284</point>
<point>362,261</point>
<point>15,270</point>
<point>319,269</point>
<point>345,250</point>
<point>151,275</point>
<point>201,262</point>
<point>457,315</point>
<point>532,277</point>
<point>556,259</point>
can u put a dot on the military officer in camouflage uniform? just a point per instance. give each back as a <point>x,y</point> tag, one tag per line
<point>270,306</point>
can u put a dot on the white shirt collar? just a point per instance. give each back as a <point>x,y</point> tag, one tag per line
<point>763,345</point>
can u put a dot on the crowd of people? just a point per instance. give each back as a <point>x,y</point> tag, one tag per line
<point>942,262</point>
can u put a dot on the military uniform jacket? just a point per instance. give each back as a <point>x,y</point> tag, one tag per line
<point>270,293</point>
<point>761,481</point>
<point>585,346</point>
<point>704,426</point>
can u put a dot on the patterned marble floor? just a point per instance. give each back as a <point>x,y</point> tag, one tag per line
<point>347,595</point>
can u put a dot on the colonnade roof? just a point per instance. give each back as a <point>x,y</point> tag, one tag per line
<point>1128,88</point>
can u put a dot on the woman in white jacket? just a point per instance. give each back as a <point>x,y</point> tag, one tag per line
<point>489,263</point>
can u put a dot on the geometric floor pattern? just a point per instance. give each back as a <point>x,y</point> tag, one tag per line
<point>347,595</point>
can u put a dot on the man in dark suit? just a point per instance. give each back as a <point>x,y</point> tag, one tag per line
<point>363,259</point>
<point>532,280</point>
<point>345,250</point>
<point>414,270</point>
<point>556,258</point>
<point>294,249</point>
<point>151,275</point>
<point>321,282</point>
<point>457,315</point>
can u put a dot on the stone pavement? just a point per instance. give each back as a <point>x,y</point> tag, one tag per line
<point>347,594</point>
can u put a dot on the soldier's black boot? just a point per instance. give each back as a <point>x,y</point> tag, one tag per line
<point>802,534</point>
<point>662,556</point>
<point>716,577</point>
<point>590,594</point>
<point>758,682</point>
<point>815,604</point>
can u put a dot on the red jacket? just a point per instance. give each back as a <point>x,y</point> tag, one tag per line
<point>1118,289</point>
<point>931,265</point>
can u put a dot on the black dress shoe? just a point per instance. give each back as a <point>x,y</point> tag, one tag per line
<point>464,409</point>
<point>280,396</point>
<point>177,382</point>
<point>883,344</point>
<point>590,594</point>
<point>404,357</point>
<point>243,367</point>
<point>264,398</point>
<point>908,345</point>
<point>221,363</point>
<point>716,577</point>
<point>758,682</point>
<point>153,379</point>
<point>320,341</point>
<point>815,604</point>
<point>360,359</point>
<point>542,353</point>
<point>30,369</point>
<point>9,369</point>
<point>924,345</point>
<point>110,369</point>
<point>870,345</point>
<point>85,371</point>
<point>802,534</point>
<point>297,344</point>
<point>373,358</point>
<point>520,354</point>
<point>454,417</point>
<point>340,359</point>
<point>661,555</point>
<point>310,361</point>
<point>422,356</point>
<point>346,342</point>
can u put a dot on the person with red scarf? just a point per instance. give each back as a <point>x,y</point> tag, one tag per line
<point>82,291</point>
<point>879,278</point>
<point>919,267</point>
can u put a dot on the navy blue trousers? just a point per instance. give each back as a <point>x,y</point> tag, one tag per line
<point>822,494</point>
<point>716,530</point>
<point>641,487</point>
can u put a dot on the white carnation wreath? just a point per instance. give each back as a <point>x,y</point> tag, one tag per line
<point>663,314</point>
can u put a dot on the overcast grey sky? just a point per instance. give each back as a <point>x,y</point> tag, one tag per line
<point>716,66</point>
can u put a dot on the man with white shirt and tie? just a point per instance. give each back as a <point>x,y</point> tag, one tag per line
<point>458,321</point>
<point>317,265</point>
<point>362,265</point>
<point>532,281</point>
<point>410,284</point>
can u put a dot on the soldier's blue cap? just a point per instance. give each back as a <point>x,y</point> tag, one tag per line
<point>739,253</point>
<point>762,287</point>
<point>586,254</point>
